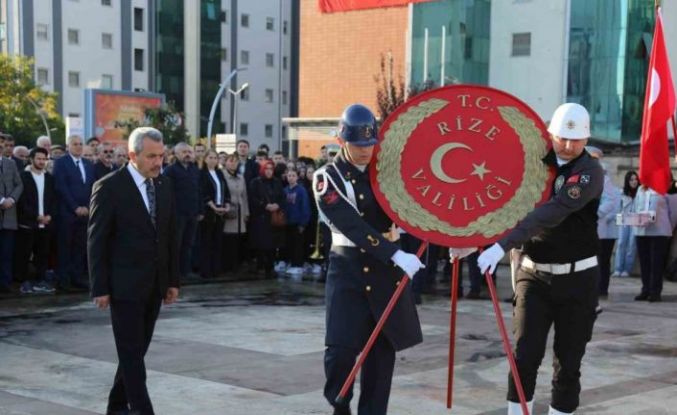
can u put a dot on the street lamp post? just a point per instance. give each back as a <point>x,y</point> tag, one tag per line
<point>215,104</point>
<point>41,113</point>
<point>236,95</point>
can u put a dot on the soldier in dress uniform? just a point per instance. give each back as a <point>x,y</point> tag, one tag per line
<point>556,279</point>
<point>365,265</point>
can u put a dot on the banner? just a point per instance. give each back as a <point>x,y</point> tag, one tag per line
<point>333,6</point>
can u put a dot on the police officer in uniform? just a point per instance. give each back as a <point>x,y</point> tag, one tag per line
<point>365,266</point>
<point>556,282</point>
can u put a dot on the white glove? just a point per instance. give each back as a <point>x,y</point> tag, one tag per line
<point>460,253</point>
<point>408,262</point>
<point>488,260</point>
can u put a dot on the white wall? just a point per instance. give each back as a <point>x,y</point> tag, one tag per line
<point>258,41</point>
<point>537,79</point>
<point>44,49</point>
<point>89,58</point>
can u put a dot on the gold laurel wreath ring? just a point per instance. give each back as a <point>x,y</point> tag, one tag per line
<point>534,180</point>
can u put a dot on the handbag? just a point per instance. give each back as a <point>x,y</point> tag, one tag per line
<point>278,219</point>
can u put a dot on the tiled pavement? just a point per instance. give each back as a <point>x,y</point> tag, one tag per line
<point>256,348</point>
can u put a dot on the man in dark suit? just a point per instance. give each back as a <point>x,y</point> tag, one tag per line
<point>133,261</point>
<point>104,164</point>
<point>248,168</point>
<point>74,178</point>
<point>35,212</point>
<point>10,191</point>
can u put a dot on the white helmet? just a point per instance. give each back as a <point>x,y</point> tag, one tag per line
<point>570,121</point>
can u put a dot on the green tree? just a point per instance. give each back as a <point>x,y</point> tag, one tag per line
<point>24,105</point>
<point>165,118</point>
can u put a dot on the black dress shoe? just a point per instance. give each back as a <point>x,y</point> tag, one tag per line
<point>642,297</point>
<point>655,298</point>
<point>118,412</point>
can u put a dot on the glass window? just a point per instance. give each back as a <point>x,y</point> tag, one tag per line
<point>521,44</point>
<point>106,2</point>
<point>107,40</point>
<point>43,76</point>
<point>107,81</point>
<point>138,59</point>
<point>244,57</point>
<point>284,27</point>
<point>269,130</point>
<point>609,42</point>
<point>269,95</point>
<point>244,95</point>
<point>244,20</point>
<point>465,59</point>
<point>138,19</point>
<point>284,97</point>
<point>223,16</point>
<point>224,54</point>
<point>270,60</point>
<point>284,62</point>
<point>270,23</point>
<point>244,129</point>
<point>73,36</point>
<point>42,31</point>
<point>73,79</point>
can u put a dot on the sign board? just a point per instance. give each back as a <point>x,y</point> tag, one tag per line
<point>75,126</point>
<point>225,142</point>
<point>460,166</point>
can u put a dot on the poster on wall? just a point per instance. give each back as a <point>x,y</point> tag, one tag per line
<point>105,107</point>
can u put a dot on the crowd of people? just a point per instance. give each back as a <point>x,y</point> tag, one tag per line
<point>251,212</point>
<point>237,213</point>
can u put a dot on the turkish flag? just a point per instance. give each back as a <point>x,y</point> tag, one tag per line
<point>332,6</point>
<point>659,108</point>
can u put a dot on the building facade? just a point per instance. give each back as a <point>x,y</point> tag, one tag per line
<point>183,49</point>
<point>78,44</point>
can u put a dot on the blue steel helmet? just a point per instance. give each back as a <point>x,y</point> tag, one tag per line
<point>358,126</point>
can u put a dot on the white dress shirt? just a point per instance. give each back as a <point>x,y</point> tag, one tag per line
<point>39,179</point>
<point>78,163</point>
<point>140,182</point>
<point>218,187</point>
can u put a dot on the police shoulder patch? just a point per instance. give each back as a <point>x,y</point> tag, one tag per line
<point>330,197</point>
<point>574,192</point>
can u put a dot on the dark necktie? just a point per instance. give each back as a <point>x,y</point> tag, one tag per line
<point>150,192</point>
<point>82,176</point>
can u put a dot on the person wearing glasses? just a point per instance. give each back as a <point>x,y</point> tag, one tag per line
<point>104,164</point>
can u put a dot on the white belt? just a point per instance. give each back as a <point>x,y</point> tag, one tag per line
<point>339,239</point>
<point>559,269</point>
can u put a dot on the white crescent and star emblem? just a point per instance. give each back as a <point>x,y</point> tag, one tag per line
<point>479,170</point>
<point>559,182</point>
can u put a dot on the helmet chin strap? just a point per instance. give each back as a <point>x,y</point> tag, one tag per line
<point>349,157</point>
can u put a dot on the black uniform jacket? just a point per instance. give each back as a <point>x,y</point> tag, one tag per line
<point>362,279</point>
<point>564,229</point>
<point>128,256</point>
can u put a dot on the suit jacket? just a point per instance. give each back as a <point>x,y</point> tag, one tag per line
<point>70,188</point>
<point>101,170</point>
<point>251,171</point>
<point>208,191</point>
<point>128,256</point>
<point>28,206</point>
<point>10,186</point>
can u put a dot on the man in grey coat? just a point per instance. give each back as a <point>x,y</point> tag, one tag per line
<point>10,190</point>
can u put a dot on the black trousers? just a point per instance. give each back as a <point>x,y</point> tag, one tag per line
<point>35,242</point>
<point>375,376</point>
<point>295,244</point>
<point>211,231</point>
<point>604,258</point>
<point>72,251</point>
<point>133,325</point>
<point>186,229</point>
<point>652,252</point>
<point>568,302</point>
<point>234,248</point>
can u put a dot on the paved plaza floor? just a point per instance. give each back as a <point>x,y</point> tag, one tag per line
<point>255,348</point>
